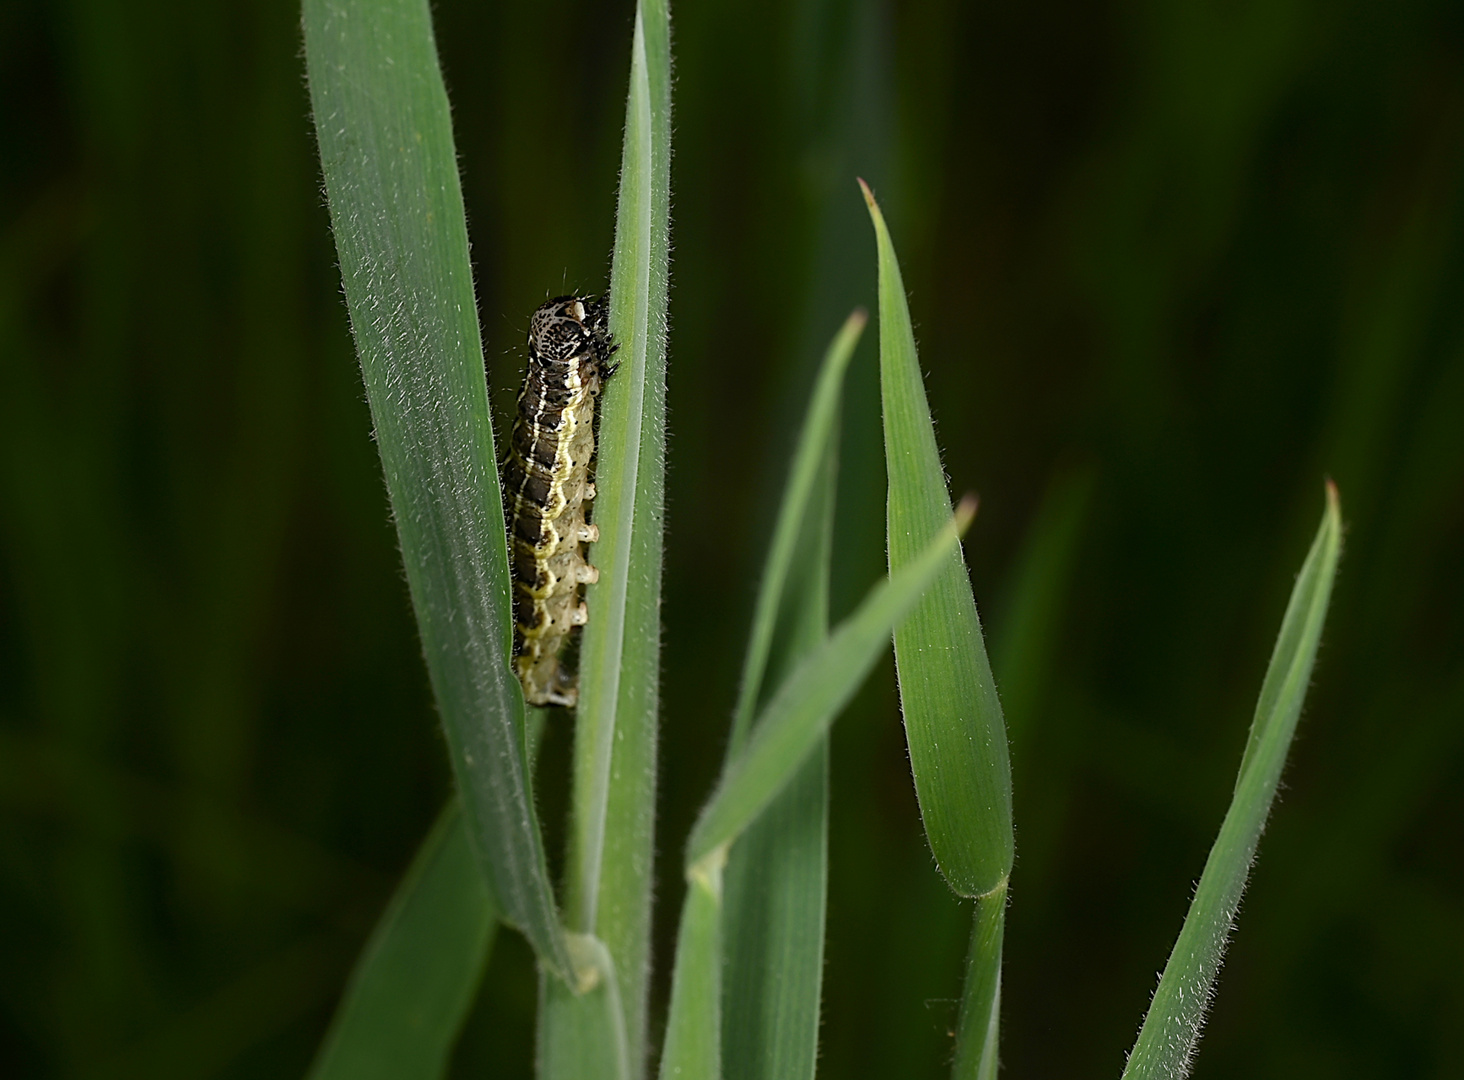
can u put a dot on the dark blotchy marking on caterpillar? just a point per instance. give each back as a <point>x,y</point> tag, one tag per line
<point>546,485</point>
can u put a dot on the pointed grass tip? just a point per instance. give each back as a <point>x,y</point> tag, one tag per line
<point>868,195</point>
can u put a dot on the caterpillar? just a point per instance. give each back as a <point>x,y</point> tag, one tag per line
<point>547,483</point>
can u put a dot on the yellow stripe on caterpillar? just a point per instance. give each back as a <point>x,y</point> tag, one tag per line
<point>547,484</point>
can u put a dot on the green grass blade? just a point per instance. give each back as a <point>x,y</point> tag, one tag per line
<point>386,148</point>
<point>809,700</point>
<point>953,721</point>
<point>810,460</point>
<point>415,981</point>
<point>980,1023</point>
<point>692,1050</point>
<point>1166,1043</point>
<point>582,1031</point>
<point>773,926</point>
<point>776,882</point>
<point>608,891</point>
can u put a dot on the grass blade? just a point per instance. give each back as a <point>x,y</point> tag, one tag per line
<point>811,458</point>
<point>792,727</point>
<point>980,1023</point>
<point>692,1050</point>
<point>612,825</point>
<point>386,148</point>
<point>953,721</point>
<point>1166,1043</point>
<point>776,893</point>
<point>582,1031</point>
<point>412,987</point>
<point>808,701</point>
<point>776,881</point>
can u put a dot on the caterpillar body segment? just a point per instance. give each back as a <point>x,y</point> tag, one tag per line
<point>547,489</point>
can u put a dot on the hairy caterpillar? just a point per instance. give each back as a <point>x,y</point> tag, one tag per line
<point>547,484</point>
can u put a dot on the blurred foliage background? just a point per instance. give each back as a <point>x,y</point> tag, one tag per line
<point>1171,263</point>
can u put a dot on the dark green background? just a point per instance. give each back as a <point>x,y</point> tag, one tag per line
<point>1170,263</point>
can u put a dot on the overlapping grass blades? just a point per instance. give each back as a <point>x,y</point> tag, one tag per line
<point>746,981</point>
<point>386,149</point>
<point>953,720</point>
<point>810,699</point>
<point>775,886</point>
<point>581,1032</point>
<point>784,735</point>
<point>608,888</point>
<point>1166,1042</point>
<point>693,1046</point>
<point>416,977</point>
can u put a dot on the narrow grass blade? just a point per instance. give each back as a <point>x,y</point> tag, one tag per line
<point>692,1050</point>
<point>809,700</point>
<point>810,460</point>
<point>386,148</point>
<point>1166,1043</point>
<point>978,1033</point>
<point>773,925</point>
<point>582,1030</point>
<point>776,882</point>
<point>608,889</point>
<point>953,721</point>
<point>415,981</point>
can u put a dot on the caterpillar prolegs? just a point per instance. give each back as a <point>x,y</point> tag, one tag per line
<point>547,483</point>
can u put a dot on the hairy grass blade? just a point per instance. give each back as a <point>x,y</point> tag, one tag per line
<point>386,148</point>
<point>582,1030</point>
<point>608,892</point>
<point>816,443</point>
<point>1166,1043</point>
<point>776,882</point>
<point>692,1050</point>
<point>980,1023</point>
<point>953,721</point>
<point>415,981</point>
<point>809,700</point>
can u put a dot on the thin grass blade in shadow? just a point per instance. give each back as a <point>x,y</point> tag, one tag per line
<point>412,987</point>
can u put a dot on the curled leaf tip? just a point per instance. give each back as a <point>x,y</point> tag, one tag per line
<point>1334,501</point>
<point>857,320</point>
